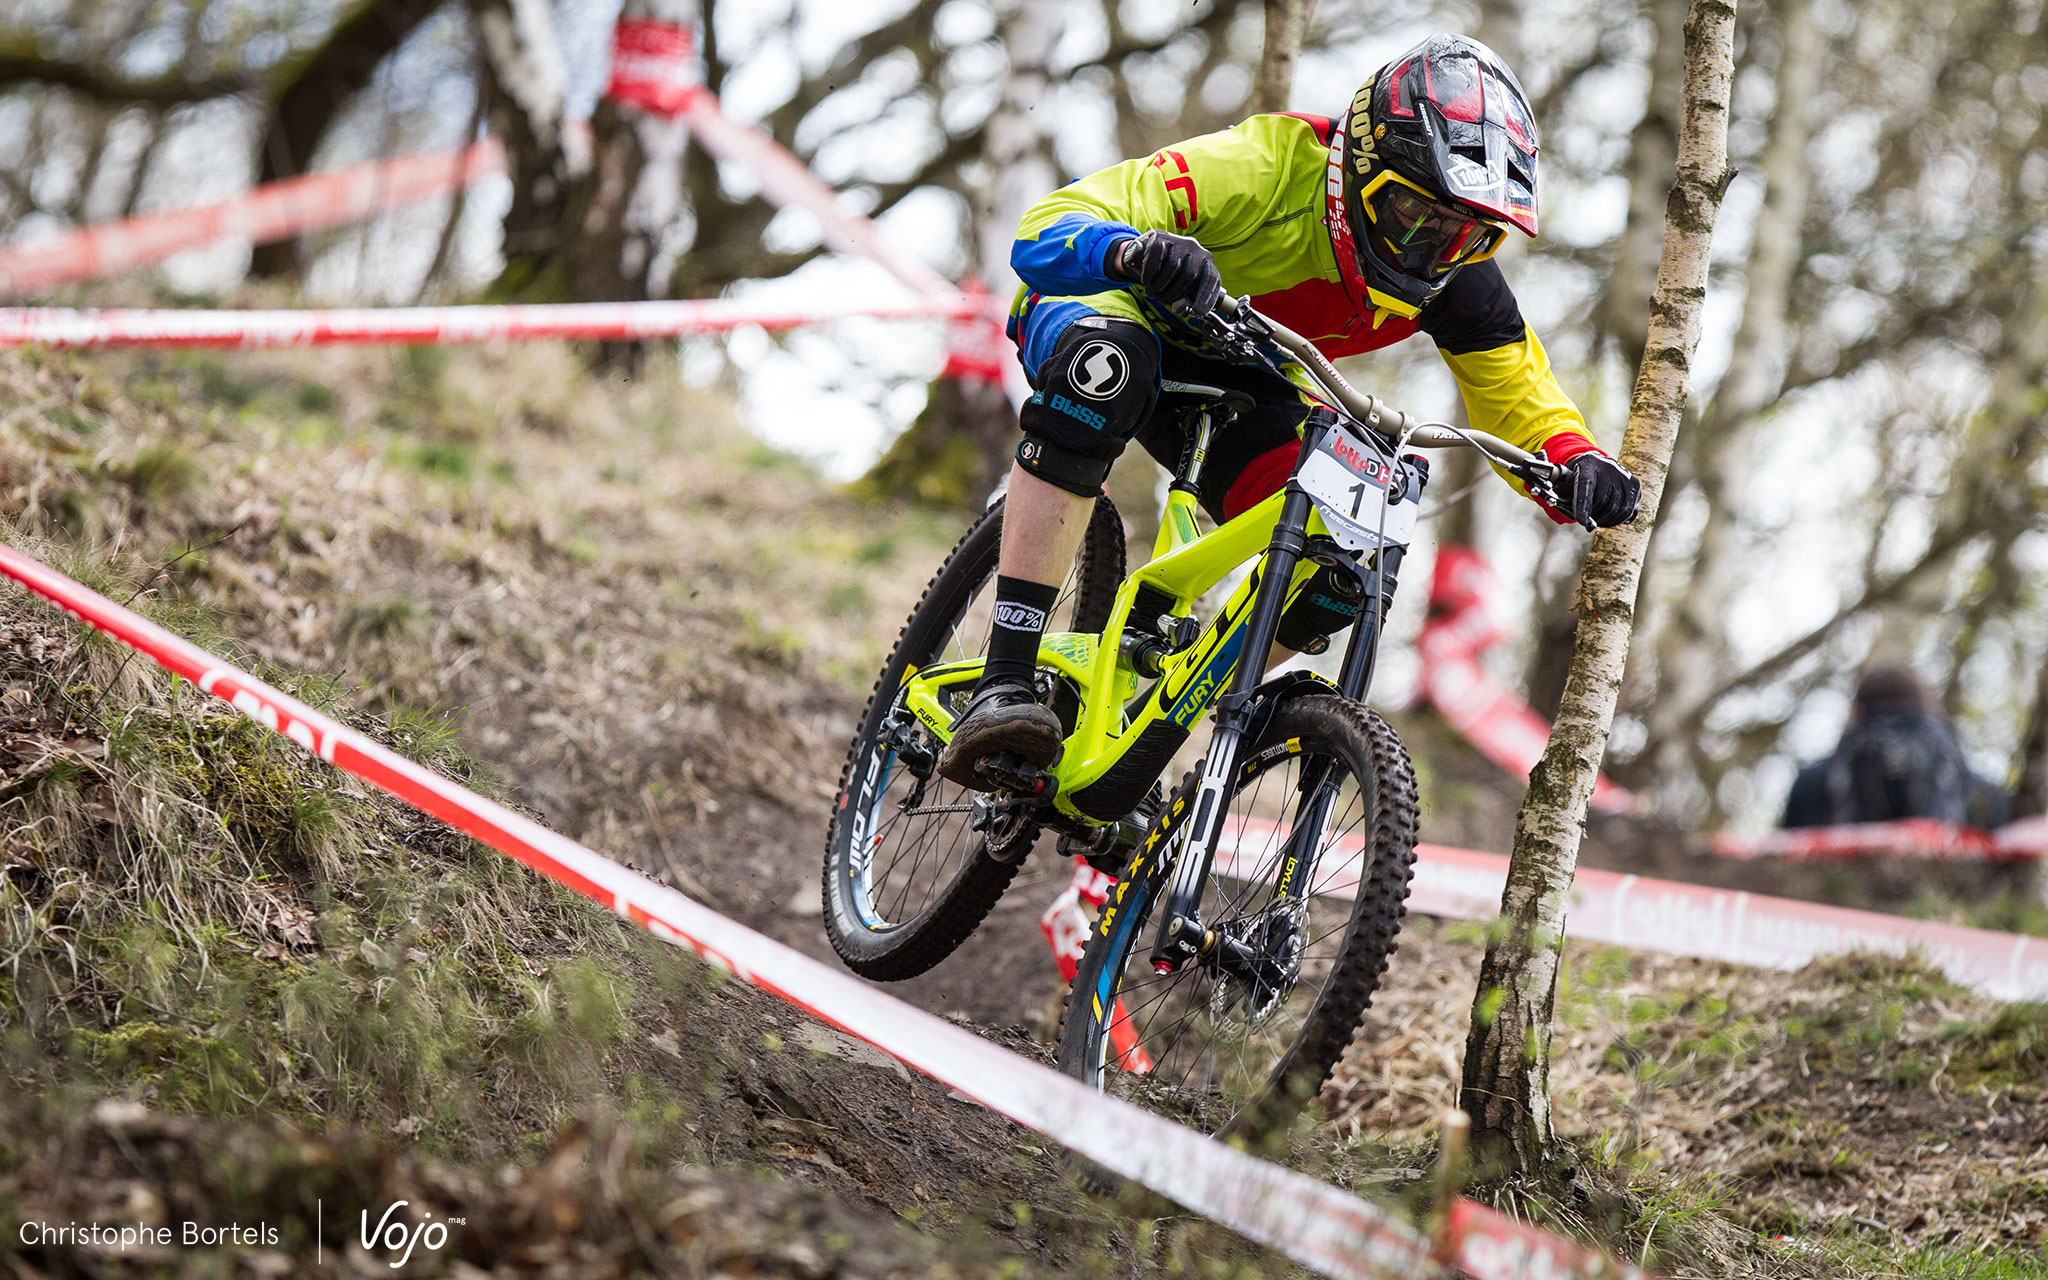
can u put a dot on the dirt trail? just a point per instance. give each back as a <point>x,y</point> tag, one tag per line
<point>645,666</point>
<point>661,632</point>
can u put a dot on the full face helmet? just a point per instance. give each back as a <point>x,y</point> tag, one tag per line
<point>1440,160</point>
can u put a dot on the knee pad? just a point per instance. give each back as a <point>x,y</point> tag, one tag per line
<point>1321,609</point>
<point>1092,394</point>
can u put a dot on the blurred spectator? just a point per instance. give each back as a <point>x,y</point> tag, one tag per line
<point>1899,758</point>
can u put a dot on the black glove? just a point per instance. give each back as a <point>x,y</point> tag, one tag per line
<point>1600,490</point>
<point>1175,272</point>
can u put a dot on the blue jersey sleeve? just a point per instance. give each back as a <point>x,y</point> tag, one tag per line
<point>1064,259</point>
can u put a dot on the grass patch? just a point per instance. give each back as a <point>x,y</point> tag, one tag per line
<point>1632,1211</point>
<point>2010,1049</point>
<point>1935,1263</point>
<point>196,914</point>
<point>161,472</point>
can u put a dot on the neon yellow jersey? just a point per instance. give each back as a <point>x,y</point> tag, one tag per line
<point>1255,196</point>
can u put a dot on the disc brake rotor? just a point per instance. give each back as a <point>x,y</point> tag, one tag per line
<point>1257,973</point>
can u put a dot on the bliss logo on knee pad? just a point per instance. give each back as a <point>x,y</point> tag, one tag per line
<point>1019,617</point>
<point>1075,411</point>
<point>1099,370</point>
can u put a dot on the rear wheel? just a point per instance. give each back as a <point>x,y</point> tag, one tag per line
<point>913,863</point>
<point>1241,1038</point>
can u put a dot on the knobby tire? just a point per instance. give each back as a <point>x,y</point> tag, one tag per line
<point>1361,742</point>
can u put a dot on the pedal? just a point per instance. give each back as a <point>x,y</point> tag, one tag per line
<point>1007,771</point>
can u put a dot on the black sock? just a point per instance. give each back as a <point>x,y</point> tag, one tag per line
<point>1021,612</point>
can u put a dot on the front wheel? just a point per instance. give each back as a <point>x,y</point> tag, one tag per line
<point>1301,911</point>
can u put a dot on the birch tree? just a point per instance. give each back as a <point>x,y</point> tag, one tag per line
<point>1506,1086</point>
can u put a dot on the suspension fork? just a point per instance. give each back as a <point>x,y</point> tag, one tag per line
<point>1180,931</point>
<point>1316,794</point>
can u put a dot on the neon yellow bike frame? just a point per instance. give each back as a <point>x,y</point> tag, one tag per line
<point>1185,565</point>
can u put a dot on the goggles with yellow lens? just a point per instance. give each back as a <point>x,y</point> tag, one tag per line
<point>1415,233</point>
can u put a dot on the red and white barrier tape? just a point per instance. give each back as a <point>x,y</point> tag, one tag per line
<point>1484,711</point>
<point>1066,927</point>
<point>2024,841</point>
<point>1488,1245</point>
<point>272,211</point>
<point>652,65</point>
<point>443,326</point>
<point>1313,1223</point>
<point>652,69</point>
<point>1687,919</point>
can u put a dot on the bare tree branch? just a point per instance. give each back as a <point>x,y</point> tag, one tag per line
<point>20,64</point>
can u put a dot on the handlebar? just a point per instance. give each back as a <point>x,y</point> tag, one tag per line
<point>1243,330</point>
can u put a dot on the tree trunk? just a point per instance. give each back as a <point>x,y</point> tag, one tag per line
<point>1690,646</point>
<point>958,448</point>
<point>590,206</point>
<point>1286,21</point>
<point>549,161</point>
<point>1506,1086</point>
<point>314,94</point>
<point>633,196</point>
<point>2030,795</point>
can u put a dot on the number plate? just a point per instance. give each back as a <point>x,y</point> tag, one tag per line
<point>1348,482</point>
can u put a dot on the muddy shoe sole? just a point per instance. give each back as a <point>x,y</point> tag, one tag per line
<point>1028,731</point>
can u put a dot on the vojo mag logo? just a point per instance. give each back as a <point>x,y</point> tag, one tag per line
<point>1100,369</point>
<point>398,1237</point>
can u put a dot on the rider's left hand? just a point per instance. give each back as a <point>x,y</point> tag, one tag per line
<point>1600,489</point>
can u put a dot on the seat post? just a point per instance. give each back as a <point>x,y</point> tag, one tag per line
<point>1214,407</point>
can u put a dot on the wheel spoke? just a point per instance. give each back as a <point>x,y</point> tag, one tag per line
<point>1216,1031</point>
<point>918,854</point>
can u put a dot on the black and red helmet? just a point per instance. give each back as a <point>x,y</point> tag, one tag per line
<point>1440,159</point>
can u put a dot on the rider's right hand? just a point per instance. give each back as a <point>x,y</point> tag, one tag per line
<point>1175,271</point>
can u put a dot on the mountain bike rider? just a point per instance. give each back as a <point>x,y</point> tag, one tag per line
<point>1356,233</point>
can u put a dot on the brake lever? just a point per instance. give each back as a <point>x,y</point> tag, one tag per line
<point>1236,329</point>
<point>1541,486</point>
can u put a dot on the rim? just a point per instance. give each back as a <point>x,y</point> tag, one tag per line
<point>1214,1034</point>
